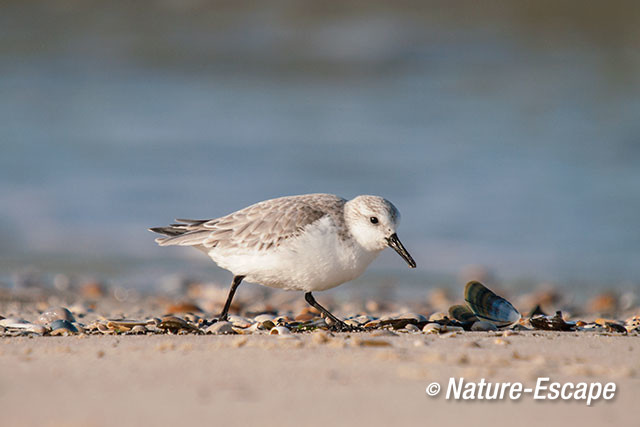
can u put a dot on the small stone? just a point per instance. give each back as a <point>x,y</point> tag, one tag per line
<point>500,341</point>
<point>483,326</point>
<point>55,313</point>
<point>221,328</point>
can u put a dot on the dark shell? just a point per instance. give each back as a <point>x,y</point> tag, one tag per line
<point>488,306</point>
<point>63,324</point>
<point>552,323</point>
<point>462,313</point>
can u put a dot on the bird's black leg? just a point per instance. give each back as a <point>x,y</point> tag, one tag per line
<point>234,285</point>
<point>337,324</point>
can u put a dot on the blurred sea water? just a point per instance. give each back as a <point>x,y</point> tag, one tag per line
<point>507,136</point>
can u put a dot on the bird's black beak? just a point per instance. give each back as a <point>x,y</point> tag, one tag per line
<point>395,243</point>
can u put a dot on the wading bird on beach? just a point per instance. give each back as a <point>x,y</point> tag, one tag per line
<point>306,243</point>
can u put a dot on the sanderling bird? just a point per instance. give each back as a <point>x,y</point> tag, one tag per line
<point>306,243</point>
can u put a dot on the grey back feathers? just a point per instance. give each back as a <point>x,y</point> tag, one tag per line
<point>260,226</point>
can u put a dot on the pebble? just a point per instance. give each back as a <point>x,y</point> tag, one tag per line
<point>221,328</point>
<point>483,326</point>
<point>55,313</point>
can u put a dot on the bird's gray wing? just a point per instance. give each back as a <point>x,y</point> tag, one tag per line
<point>258,227</point>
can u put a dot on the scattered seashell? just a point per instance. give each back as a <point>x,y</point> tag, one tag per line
<point>352,322</point>
<point>462,313</point>
<point>175,324</point>
<point>552,323</point>
<point>55,313</point>
<point>104,329</point>
<point>12,323</point>
<point>397,323</point>
<point>139,329</point>
<point>412,328</point>
<point>482,325</point>
<point>221,328</point>
<point>373,324</point>
<point>632,324</point>
<point>415,316</point>
<point>437,316</point>
<point>488,306</point>
<point>279,330</point>
<point>432,328</point>
<point>60,326</point>
<point>266,325</point>
<point>239,321</point>
<point>615,327</point>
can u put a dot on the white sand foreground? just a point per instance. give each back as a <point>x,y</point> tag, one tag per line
<point>347,379</point>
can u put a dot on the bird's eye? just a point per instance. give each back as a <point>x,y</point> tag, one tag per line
<point>374,220</point>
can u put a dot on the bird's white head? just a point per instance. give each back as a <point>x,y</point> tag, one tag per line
<point>372,222</point>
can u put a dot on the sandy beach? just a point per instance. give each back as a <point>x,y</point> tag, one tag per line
<point>156,375</point>
<point>267,380</point>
